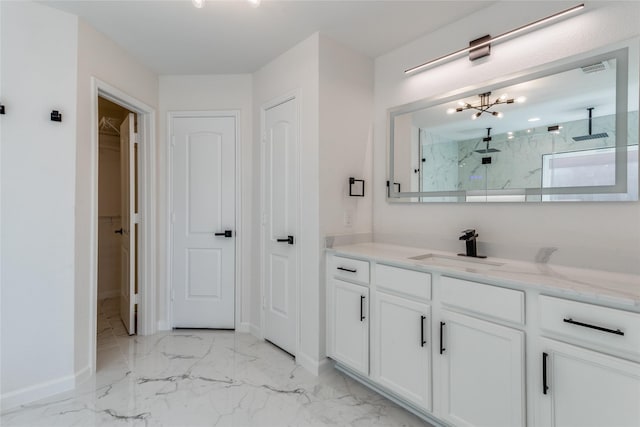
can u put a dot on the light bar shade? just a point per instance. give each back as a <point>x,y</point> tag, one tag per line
<point>495,39</point>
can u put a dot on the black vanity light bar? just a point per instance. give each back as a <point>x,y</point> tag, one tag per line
<point>486,41</point>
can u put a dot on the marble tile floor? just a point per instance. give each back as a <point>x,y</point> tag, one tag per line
<point>205,378</point>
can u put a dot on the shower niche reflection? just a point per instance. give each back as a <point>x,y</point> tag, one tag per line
<point>567,132</point>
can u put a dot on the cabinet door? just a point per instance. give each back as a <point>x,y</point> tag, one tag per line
<point>586,388</point>
<point>401,347</point>
<point>482,372</point>
<point>351,325</point>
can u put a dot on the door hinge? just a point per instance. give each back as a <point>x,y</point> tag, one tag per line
<point>264,137</point>
<point>264,301</point>
<point>136,299</point>
<point>173,294</point>
<point>264,218</point>
<point>136,218</point>
<point>173,140</point>
<point>136,138</point>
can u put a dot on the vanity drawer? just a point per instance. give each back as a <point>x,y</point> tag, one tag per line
<point>350,269</point>
<point>409,282</point>
<point>491,301</point>
<point>609,327</point>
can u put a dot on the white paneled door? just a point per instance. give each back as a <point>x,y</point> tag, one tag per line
<point>128,218</point>
<point>203,222</point>
<point>280,218</point>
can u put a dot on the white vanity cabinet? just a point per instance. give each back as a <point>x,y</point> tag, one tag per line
<point>468,349</point>
<point>585,388</point>
<point>482,372</point>
<point>581,385</point>
<point>481,361</point>
<point>349,313</point>
<point>401,341</point>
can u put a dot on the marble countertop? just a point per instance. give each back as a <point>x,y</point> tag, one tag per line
<point>601,286</point>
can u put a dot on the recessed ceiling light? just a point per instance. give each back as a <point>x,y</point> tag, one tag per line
<point>254,3</point>
<point>198,3</point>
<point>534,119</point>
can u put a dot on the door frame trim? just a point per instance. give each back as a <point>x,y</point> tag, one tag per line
<point>146,116</point>
<point>236,114</point>
<point>274,102</point>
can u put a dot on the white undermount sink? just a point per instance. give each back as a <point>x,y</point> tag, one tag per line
<point>453,261</point>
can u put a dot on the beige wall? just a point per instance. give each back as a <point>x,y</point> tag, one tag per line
<point>101,58</point>
<point>335,90</point>
<point>590,235</point>
<point>295,71</point>
<point>39,54</point>
<point>108,216</point>
<point>206,93</point>
<point>345,149</point>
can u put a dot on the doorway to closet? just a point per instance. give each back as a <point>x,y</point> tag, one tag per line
<point>117,225</point>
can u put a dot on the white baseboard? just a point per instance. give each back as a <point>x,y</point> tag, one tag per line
<point>163,325</point>
<point>325,365</point>
<point>82,375</point>
<point>244,327</point>
<point>255,331</point>
<point>32,393</point>
<point>108,294</point>
<point>316,367</point>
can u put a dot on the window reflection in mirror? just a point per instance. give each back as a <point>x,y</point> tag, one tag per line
<point>567,135</point>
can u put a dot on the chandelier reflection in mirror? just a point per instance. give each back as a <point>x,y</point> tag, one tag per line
<point>485,105</point>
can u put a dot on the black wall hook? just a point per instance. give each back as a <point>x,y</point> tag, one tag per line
<point>2,109</point>
<point>353,190</point>
<point>56,116</point>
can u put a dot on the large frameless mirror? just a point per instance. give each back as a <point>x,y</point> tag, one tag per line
<point>564,132</point>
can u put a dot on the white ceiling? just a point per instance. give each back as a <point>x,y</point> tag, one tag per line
<point>230,36</point>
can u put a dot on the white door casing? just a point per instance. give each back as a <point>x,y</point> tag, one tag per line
<point>203,205</point>
<point>146,245</point>
<point>280,224</point>
<point>128,222</point>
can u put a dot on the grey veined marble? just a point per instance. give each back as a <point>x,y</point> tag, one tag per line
<point>208,378</point>
<point>456,165</point>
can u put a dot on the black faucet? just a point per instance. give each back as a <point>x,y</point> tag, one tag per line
<point>469,236</point>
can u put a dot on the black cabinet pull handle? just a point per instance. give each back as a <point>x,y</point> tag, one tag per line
<point>119,231</point>
<point>545,387</point>
<point>288,240</point>
<point>442,349</point>
<point>598,328</point>
<point>348,269</point>
<point>225,233</point>
<point>362,308</point>
<point>422,340</point>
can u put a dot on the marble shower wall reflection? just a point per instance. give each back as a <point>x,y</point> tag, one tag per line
<point>449,165</point>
